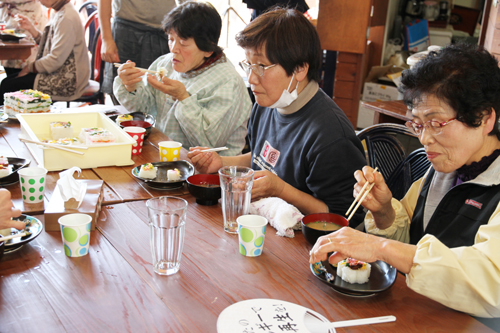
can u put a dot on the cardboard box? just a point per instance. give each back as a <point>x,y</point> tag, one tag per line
<point>91,205</point>
<point>375,91</point>
<point>36,127</point>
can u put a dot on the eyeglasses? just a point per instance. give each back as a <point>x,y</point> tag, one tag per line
<point>433,126</point>
<point>257,69</point>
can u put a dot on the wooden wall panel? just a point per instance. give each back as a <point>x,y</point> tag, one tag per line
<point>342,25</point>
<point>343,89</point>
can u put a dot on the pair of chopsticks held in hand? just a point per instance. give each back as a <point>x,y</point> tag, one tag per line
<point>360,197</point>
<point>141,69</point>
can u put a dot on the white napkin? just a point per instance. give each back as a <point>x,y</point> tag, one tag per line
<point>71,188</point>
<point>282,216</point>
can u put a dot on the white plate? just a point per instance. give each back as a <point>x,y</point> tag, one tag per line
<point>254,315</point>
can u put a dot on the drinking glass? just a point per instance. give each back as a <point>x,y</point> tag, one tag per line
<point>236,184</point>
<point>167,221</point>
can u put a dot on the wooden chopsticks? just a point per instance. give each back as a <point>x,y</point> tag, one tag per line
<point>360,197</point>
<point>55,146</point>
<point>21,234</point>
<point>214,149</point>
<point>141,69</point>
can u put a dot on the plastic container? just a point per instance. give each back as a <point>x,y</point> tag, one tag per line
<point>36,127</point>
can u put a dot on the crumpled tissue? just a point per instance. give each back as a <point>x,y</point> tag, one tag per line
<point>282,216</point>
<point>72,191</point>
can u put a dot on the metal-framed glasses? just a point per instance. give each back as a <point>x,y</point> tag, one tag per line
<point>257,69</point>
<point>433,126</point>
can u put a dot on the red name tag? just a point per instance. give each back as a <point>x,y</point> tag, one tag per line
<point>474,203</point>
<point>269,154</point>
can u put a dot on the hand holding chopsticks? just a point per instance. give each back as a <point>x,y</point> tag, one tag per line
<point>360,197</point>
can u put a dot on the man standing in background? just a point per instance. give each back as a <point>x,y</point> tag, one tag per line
<point>135,34</point>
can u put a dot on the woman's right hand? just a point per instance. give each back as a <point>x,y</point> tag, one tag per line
<point>379,198</point>
<point>209,162</point>
<point>130,75</point>
<point>25,24</point>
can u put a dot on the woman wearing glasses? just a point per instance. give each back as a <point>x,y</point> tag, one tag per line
<point>200,100</point>
<point>303,147</point>
<point>444,234</point>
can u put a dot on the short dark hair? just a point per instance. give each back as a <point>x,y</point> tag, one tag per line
<point>465,76</point>
<point>289,38</point>
<point>197,20</point>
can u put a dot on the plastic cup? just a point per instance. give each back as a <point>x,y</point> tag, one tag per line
<point>32,181</point>
<point>236,185</point>
<point>167,221</point>
<point>137,133</point>
<point>251,234</point>
<point>75,232</point>
<point>170,151</point>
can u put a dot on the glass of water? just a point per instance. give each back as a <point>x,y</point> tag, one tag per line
<point>167,221</point>
<point>236,185</point>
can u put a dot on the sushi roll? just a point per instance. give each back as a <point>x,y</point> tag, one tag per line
<point>173,175</point>
<point>354,271</point>
<point>96,135</point>
<point>61,129</point>
<point>148,171</point>
<point>162,71</point>
<point>5,170</point>
<point>124,117</point>
<point>63,141</point>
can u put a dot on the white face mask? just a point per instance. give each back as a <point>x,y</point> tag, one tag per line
<point>286,97</point>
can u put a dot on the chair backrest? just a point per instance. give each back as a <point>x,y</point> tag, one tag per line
<point>411,169</point>
<point>384,149</point>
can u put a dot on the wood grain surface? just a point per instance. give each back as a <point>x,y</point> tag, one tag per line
<point>114,288</point>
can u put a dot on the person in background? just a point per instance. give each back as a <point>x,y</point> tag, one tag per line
<point>136,34</point>
<point>301,142</point>
<point>260,6</point>
<point>62,67</point>
<point>444,234</point>
<point>32,9</point>
<point>7,212</point>
<point>200,98</point>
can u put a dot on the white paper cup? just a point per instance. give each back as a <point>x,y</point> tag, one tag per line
<point>75,232</point>
<point>32,181</point>
<point>170,151</point>
<point>251,234</point>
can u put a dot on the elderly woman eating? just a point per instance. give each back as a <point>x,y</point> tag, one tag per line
<point>444,234</point>
<point>302,144</point>
<point>197,96</point>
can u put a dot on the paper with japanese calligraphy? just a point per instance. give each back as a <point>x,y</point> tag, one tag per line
<point>263,315</point>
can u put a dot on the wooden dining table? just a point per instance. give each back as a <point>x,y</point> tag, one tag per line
<point>11,50</point>
<point>114,288</point>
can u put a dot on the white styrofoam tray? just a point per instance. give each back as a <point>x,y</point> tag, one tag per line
<point>36,127</point>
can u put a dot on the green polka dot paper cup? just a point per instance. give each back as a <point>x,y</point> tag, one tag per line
<point>32,181</point>
<point>75,232</point>
<point>251,234</point>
